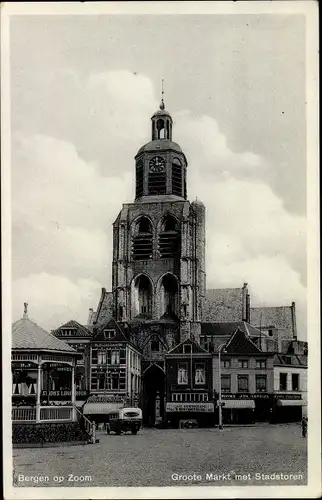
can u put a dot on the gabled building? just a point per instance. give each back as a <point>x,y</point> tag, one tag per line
<point>189,393</point>
<point>244,377</point>
<point>115,370</point>
<point>78,337</point>
<point>290,387</point>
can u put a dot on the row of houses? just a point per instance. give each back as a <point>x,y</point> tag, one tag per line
<point>234,365</point>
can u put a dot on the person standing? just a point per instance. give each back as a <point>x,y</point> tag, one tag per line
<point>304,426</point>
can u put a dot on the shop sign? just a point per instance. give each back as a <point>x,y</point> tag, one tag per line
<point>288,396</point>
<point>190,407</point>
<point>19,365</point>
<point>61,394</point>
<point>260,395</point>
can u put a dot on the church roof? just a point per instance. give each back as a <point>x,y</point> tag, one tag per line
<point>26,334</point>
<point>159,145</point>
<point>227,328</point>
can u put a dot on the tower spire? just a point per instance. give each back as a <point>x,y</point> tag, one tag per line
<point>162,94</point>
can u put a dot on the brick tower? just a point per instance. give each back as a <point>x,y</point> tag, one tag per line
<point>158,276</point>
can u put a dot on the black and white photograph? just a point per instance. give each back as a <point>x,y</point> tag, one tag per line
<point>160,259</point>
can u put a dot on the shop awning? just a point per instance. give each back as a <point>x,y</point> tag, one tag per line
<point>101,408</point>
<point>238,403</point>
<point>290,402</point>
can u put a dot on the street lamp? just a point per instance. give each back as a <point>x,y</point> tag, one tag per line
<point>219,393</point>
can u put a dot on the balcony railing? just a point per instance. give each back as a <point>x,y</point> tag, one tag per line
<point>50,413</point>
<point>25,414</point>
<point>47,414</point>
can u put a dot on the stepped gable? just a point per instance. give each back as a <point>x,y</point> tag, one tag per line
<point>26,334</point>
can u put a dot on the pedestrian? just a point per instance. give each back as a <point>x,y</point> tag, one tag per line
<point>304,426</point>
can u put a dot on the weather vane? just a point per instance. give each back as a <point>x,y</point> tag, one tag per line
<point>162,94</point>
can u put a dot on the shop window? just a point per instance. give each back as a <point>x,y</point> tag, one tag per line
<point>155,346</point>
<point>261,383</point>
<point>295,382</point>
<point>261,363</point>
<point>283,381</point>
<point>115,358</point>
<point>101,358</point>
<point>182,374</point>
<point>225,363</point>
<point>225,383</point>
<point>242,383</point>
<point>242,363</point>
<point>200,375</point>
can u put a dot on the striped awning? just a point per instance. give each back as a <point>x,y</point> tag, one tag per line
<point>101,408</point>
<point>238,403</point>
<point>290,402</point>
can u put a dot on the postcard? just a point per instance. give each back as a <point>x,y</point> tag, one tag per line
<point>160,250</point>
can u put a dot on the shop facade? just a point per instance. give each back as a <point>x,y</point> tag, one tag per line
<point>242,380</point>
<point>189,393</point>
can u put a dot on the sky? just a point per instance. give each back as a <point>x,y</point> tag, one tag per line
<point>83,89</point>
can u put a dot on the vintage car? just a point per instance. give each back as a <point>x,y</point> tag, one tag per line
<point>125,420</point>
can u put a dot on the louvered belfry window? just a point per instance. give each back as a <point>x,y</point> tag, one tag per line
<point>142,242</point>
<point>139,179</point>
<point>169,238</point>
<point>176,177</point>
<point>157,183</point>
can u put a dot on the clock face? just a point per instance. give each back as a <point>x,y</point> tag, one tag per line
<point>157,164</point>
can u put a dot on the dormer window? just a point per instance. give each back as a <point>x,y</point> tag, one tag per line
<point>109,334</point>
<point>187,349</point>
<point>68,332</point>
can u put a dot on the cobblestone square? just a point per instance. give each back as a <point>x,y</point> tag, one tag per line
<point>155,457</point>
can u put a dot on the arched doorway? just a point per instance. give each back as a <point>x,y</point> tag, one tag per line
<point>153,393</point>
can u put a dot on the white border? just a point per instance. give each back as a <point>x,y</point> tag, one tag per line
<point>310,10</point>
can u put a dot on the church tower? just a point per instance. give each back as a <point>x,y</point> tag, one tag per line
<point>158,278</point>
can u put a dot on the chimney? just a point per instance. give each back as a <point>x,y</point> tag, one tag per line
<point>294,321</point>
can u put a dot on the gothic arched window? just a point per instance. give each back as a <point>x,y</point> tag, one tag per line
<point>142,239</point>
<point>169,296</point>
<point>169,238</point>
<point>142,296</point>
